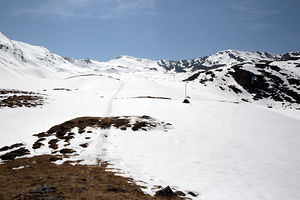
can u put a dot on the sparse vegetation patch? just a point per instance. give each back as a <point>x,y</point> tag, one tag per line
<point>17,98</point>
<point>40,179</point>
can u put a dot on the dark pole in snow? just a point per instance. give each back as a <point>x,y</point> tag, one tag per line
<point>185,97</point>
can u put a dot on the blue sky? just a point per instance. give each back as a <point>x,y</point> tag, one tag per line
<point>154,29</point>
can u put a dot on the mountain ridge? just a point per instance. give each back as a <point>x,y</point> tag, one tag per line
<point>37,56</point>
<point>246,76</point>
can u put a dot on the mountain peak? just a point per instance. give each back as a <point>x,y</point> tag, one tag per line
<point>132,58</point>
<point>227,57</point>
<point>3,39</point>
<point>125,56</point>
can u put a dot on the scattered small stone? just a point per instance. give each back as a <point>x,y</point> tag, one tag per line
<point>44,189</point>
<point>44,192</point>
<point>145,117</point>
<point>165,192</point>
<point>139,190</point>
<point>180,193</point>
<point>85,145</point>
<point>82,179</point>
<point>245,100</point>
<point>123,128</point>
<point>186,101</point>
<point>66,89</point>
<point>193,194</point>
<point>134,128</point>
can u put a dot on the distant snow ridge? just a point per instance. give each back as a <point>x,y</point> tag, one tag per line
<point>220,59</point>
<point>20,59</point>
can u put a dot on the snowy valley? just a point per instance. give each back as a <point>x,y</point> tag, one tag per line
<point>238,138</point>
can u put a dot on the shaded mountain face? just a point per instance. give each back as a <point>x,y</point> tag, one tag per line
<point>290,56</point>
<point>277,81</point>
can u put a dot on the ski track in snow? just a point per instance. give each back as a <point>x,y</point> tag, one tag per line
<point>102,138</point>
<point>110,102</point>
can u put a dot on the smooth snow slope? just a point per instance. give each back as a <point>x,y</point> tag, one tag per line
<point>219,149</point>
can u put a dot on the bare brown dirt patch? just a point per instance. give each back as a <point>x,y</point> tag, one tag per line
<point>5,148</point>
<point>18,98</point>
<point>41,179</point>
<point>15,153</point>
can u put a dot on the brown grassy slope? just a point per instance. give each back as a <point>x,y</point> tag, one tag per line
<point>41,179</point>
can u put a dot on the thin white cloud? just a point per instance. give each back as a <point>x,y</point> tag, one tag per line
<point>131,7</point>
<point>101,9</point>
<point>65,8</point>
<point>254,14</point>
<point>250,11</point>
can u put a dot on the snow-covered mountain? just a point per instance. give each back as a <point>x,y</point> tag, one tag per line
<point>237,139</point>
<point>246,76</point>
<point>220,59</point>
<point>21,59</point>
<point>274,83</point>
<point>17,58</point>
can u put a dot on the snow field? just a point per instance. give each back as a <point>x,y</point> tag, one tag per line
<point>221,150</point>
